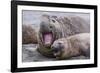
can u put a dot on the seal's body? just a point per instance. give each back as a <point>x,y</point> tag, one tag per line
<point>72,46</point>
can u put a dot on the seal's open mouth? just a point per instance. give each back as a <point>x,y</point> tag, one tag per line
<point>47,38</point>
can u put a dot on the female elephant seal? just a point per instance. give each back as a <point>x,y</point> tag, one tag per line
<point>29,34</point>
<point>72,46</point>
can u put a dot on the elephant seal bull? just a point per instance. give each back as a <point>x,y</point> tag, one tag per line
<point>53,28</point>
<point>72,46</point>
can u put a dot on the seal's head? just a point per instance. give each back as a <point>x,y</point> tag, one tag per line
<point>47,34</point>
<point>57,48</point>
<point>48,30</point>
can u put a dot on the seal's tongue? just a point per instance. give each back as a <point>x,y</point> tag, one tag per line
<point>48,38</point>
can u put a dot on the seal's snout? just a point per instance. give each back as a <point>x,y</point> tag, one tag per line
<point>57,49</point>
<point>57,46</point>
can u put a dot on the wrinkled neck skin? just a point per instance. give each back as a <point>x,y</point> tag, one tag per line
<point>42,49</point>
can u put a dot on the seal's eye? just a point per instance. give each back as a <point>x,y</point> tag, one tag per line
<point>61,46</point>
<point>59,43</point>
<point>53,21</point>
<point>51,27</point>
